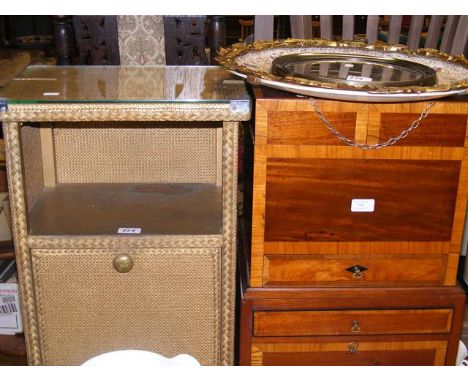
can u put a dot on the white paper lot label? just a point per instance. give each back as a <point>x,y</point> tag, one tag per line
<point>362,205</point>
<point>129,230</point>
<point>359,79</point>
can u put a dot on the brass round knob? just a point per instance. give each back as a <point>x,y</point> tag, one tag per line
<point>123,263</point>
<point>353,347</point>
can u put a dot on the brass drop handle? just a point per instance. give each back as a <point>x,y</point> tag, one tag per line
<point>357,274</point>
<point>357,271</point>
<point>123,263</point>
<point>353,347</point>
<point>355,328</point>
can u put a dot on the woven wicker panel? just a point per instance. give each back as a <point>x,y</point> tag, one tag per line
<point>168,303</point>
<point>177,152</point>
<point>33,173</point>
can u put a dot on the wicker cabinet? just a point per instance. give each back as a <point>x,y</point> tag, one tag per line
<point>123,187</point>
<point>329,219</point>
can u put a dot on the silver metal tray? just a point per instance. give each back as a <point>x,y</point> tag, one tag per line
<point>355,70</point>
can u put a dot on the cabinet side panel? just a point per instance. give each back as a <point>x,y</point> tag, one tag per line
<point>258,200</point>
<point>32,157</point>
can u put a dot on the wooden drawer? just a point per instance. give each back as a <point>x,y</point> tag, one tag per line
<point>357,322</point>
<point>339,351</point>
<point>353,270</point>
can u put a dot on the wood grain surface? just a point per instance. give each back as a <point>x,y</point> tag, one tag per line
<point>352,322</point>
<point>330,270</point>
<point>436,130</point>
<point>304,127</point>
<point>310,200</point>
<point>321,352</point>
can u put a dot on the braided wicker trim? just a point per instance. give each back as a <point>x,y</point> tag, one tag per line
<point>217,302</point>
<point>235,111</point>
<point>19,227</point>
<point>230,140</point>
<point>115,242</point>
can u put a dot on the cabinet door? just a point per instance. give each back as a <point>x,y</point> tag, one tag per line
<point>168,303</point>
<point>349,352</point>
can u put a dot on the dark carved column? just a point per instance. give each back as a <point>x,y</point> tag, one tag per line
<point>97,40</point>
<point>3,39</point>
<point>64,39</point>
<point>217,36</point>
<point>184,38</point>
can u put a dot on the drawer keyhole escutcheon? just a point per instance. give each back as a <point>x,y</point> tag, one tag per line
<point>123,263</point>
<point>355,326</point>
<point>353,347</point>
<point>357,271</point>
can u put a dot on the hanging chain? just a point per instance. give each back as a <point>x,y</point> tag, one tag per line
<point>365,146</point>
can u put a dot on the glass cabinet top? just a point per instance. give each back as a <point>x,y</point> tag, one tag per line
<point>110,84</point>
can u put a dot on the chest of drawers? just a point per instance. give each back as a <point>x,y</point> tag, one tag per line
<point>350,326</point>
<point>329,218</point>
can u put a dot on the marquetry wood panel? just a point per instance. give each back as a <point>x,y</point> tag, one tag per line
<point>357,248</point>
<point>326,352</point>
<point>268,110</point>
<point>334,270</point>
<point>351,322</point>
<point>348,152</point>
<point>305,128</point>
<point>435,130</point>
<point>310,200</point>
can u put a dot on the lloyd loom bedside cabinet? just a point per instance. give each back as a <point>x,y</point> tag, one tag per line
<point>353,253</point>
<point>122,184</point>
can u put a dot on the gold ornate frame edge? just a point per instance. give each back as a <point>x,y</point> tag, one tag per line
<point>227,58</point>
